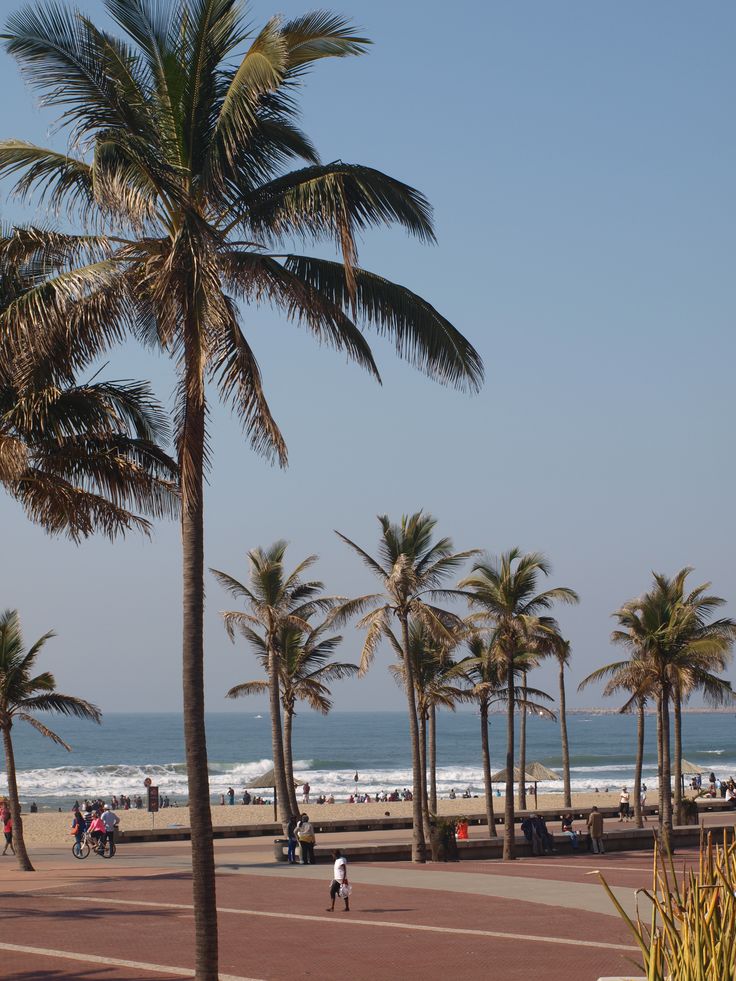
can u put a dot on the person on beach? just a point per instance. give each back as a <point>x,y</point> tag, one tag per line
<point>305,793</point>
<point>8,831</point>
<point>595,826</point>
<point>306,837</point>
<point>624,811</point>
<point>339,879</point>
<point>230,796</point>
<point>291,836</point>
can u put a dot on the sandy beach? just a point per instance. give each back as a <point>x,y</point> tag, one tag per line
<point>51,828</point>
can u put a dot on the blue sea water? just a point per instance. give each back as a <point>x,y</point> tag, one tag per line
<point>117,756</point>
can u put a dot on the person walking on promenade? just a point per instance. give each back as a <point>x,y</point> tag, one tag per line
<point>8,831</point>
<point>111,821</point>
<point>340,885</point>
<point>595,826</point>
<point>305,834</point>
<point>624,811</point>
<point>291,836</point>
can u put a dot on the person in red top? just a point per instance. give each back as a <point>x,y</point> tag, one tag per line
<point>8,830</point>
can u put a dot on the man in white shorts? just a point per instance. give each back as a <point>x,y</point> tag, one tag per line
<point>339,879</point>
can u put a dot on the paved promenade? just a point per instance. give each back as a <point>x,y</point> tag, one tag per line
<point>131,918</point>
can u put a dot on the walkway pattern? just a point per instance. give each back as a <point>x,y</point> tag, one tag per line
<point>131,919</point>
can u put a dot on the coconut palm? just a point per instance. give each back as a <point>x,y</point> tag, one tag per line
<point>485,672</point>
<point>678,648</point>
<point>185,129</point>
<point>277,602</point>
<point>561,651</point>
<point>436,685</point>
<point>23,693</point>
<point>306,672</point>
<point>505,593</point>
<point>633,678</point>
<point>79,457</point>
<point>411,566</point>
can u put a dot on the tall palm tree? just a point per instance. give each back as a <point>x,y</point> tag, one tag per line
<point>436,685</point>
<point>187,127</point>
<point>677,644</point>
<point>485,671</point>
<point>633,678</point>
<point>411,566</point>
<point>278,602</point>
<point>505,592</point>
<point>306,673</point>
<point>21,694</point>
<point>562,653</point>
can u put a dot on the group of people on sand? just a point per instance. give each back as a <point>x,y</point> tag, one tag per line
<point>726,789</point>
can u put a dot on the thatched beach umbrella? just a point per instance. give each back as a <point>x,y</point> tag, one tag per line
<point>539,771</point>
<point>691,768</point>
<point>267,781</point>
<point>688,767</point>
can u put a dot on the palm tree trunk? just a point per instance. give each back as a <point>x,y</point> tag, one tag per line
<point>660,769</point>
<point>433,759</point>
<point>677,770</point>
<point>277,740</point>
<point>488,787</point>
<point>191,460</point>
<point>418,850</point>
<point>508,815</point>
<point>566,791</point>
<point>289,761</point>
<point>14,805</point>
<point>522,749</point>
<point>639,762</point>
<point>422,713</point>
<point>666,772</point>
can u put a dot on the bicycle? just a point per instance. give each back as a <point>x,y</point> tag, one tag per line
<point>81,849</point>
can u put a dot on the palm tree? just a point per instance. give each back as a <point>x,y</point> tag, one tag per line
<point>189,125</point>
<point>79,457</point>
<point>505,591</point>
<point>678,650</point>
<point>410,565</point>
<point>306,673</point>
<point>485,671</point>
<point>21,694</point>
<point>562,653</point>
<point>278,602</point>
<point>435,684</point>
<point>633,678</point>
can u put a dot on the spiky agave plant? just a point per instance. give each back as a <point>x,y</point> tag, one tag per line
<point>691,933</point>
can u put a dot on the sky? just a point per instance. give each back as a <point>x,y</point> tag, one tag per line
<point>581,161</point>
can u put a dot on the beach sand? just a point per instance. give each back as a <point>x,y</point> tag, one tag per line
<point>49,828</point>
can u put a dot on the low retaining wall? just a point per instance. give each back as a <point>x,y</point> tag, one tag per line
<point>551,815</point>
<point>623,840</point>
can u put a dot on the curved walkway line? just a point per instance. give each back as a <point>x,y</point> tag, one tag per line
<point>350,921</point>
<point>181,972</point>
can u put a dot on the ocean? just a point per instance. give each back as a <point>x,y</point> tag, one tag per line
<point>117,756</point>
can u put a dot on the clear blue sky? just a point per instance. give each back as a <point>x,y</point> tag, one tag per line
<point>581,159</point>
